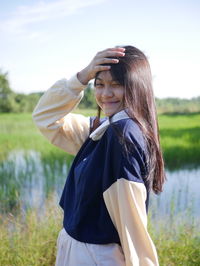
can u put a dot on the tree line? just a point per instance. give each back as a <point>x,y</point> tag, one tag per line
<point>12,102</point>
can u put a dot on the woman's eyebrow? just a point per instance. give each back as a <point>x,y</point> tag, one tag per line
<point>99,79</point>
<point>112,80</point>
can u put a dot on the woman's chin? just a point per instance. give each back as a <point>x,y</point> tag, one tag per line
<point>111,112</point>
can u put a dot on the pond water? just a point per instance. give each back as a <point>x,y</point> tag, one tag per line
<point>26,178</point>
<point>180,198</point>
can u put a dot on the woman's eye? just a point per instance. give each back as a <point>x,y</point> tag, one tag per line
<point>99,85</point>
<point>116,84</point>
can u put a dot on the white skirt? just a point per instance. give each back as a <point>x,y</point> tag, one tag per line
<point>71,252</point>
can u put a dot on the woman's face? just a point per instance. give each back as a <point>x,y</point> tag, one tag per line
<point>109,93</point>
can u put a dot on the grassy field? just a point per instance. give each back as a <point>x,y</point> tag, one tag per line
<point>179,138</point>
<point>30,239</point>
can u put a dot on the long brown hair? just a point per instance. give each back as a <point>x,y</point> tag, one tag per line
<point>134,73</point>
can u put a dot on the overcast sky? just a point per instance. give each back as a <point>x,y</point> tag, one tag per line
<point>43,41</point>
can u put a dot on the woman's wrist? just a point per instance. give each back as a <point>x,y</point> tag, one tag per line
<point>83,77</point>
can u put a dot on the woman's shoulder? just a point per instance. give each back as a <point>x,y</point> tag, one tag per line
<point>129,130</point>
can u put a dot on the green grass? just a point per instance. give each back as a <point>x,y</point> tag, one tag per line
<point>176,245</point>
<point>18,131</point>
<point>179,138</point>
<point>30,239</point>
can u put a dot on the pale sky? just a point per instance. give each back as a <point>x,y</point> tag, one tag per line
<point>43,41</point>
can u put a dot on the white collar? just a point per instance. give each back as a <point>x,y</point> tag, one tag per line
<point>98,132</point>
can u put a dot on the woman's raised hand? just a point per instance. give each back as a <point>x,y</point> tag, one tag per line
<point>107,56</point>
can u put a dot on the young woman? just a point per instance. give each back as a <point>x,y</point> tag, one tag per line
<point>118,160</point>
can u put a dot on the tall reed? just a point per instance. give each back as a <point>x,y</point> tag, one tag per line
<point>30,239</point>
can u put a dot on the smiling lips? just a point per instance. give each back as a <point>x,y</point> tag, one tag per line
<point>110,102</point>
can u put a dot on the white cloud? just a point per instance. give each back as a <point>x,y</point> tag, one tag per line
<point>25,15</point>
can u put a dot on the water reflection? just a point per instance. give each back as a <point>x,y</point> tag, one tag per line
<point>26,178</point>
<point>180,196</point>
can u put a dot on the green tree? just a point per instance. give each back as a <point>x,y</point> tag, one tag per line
<point>88,100</point>
<point>27,103</point>
<point>7,96</point>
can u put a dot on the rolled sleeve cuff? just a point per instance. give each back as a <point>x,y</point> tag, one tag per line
<point>75,85</point>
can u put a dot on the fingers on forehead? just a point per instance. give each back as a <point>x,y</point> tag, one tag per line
<point>110,54</point>
<point>116,49</point>
<point>112,51</point>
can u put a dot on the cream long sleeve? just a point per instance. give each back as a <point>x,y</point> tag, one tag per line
<point>53,118</point>
<point>125,201</point>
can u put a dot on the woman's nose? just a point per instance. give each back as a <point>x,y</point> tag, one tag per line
<point>107,92</point>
